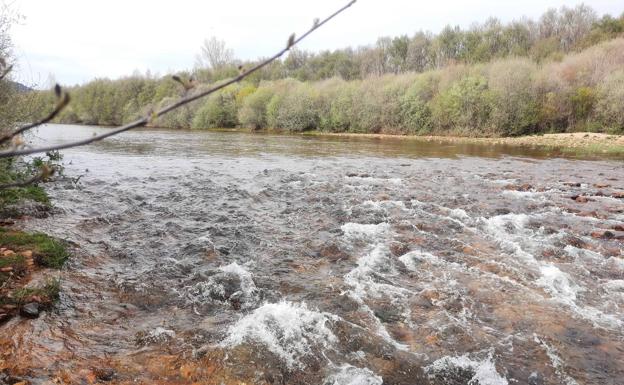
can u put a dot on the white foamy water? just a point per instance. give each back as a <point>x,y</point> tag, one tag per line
<point>414,258</point>
<point>364,282</point>
<point>557,283</point>
<point>511,233</point>
<point>247,285</point>
<point>615,286</point>
<point>159,335</point>
<point>351,375</point>
<point>220,288</point>
<point>483,371</point>
<point>290,331</point>
<point>367,231</point>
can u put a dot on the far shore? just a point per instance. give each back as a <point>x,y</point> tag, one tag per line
<point>586,143</point>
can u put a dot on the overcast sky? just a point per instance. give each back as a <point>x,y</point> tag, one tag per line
<point>76,40</point>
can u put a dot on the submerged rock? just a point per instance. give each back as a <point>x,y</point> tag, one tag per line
<point>104,374</point>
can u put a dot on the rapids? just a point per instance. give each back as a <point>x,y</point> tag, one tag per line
<point>217,257</point>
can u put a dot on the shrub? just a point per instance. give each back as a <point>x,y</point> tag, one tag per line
<point>415,104</point>
<point>514,108</point>
<point>465,107</point>
<point>583,101</point>
<point>328,92</point>
<point>218,111</point>
<point>297,110</point>
<point>253,111</point>
<point>180,118</point>
<point>610,106</point>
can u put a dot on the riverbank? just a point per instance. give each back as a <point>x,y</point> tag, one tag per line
<point>583,143</point>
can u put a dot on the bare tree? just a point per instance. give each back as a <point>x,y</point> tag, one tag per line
<point>214,54</point>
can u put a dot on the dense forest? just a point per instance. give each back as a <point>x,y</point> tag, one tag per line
<point>563,72</point>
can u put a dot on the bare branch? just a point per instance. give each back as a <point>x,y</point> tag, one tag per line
<point>63,101</point>
<point>181,102</point>
<point>5,72</point>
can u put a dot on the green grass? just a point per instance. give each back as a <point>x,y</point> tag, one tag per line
<point>49,292</point>
<point>15,195</point>
<point>12,260</point>
<point>12,196</point>
<point>16,261</point>
<point>48,251</point>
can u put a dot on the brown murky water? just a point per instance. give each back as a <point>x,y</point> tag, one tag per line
<point>216,258</point>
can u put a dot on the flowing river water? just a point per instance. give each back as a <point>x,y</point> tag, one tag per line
<point>230,258</point>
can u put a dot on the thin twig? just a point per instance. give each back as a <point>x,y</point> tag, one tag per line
<point>142,122</point>
<point>6,72</point>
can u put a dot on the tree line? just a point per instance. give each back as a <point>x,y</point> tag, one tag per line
<point>562,72</point>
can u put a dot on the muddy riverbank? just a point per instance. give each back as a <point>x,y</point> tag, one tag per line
<point>232,258</point>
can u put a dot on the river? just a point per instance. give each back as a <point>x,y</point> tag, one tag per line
<point>221,257</point>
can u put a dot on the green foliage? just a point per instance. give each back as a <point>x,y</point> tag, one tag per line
<point>583,101</point>
<point>253,112</point>
<point>514,108</point>
<point>415,104</point>
<point>492,79</point>
<point>218,111</point>
<point>48,251</point>
<point>465,107</point>
<point>297,110</point>
<point>12,196</point>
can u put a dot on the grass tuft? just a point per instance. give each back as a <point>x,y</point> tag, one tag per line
<point>48,251</point>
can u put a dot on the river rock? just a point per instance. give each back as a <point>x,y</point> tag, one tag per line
<point>603,234</point>
<point>618,227</point>
<point>576,242</point>
<point>30,310</point>
<point>580,198</point>
<point>523,187</point>
<point>229,285</point>
<point>388,313</point>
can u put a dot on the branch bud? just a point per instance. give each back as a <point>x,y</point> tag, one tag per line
<point>291,41</point>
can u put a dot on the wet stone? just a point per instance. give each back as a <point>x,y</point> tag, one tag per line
<point>398,248</point>
<point>30,310</point>
<point>576,242</point>
<point>603,234</point>
<point>523,187</point>
<point>333,253</point>
<point>535,379</point>
<point>230,284</point>
<point>388,314</point>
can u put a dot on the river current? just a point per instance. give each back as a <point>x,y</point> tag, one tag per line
<point>220,257</point>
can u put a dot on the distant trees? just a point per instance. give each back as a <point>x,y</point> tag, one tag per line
<point>561,72</point>
<point>214,54</point>
<point>556,33</point>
